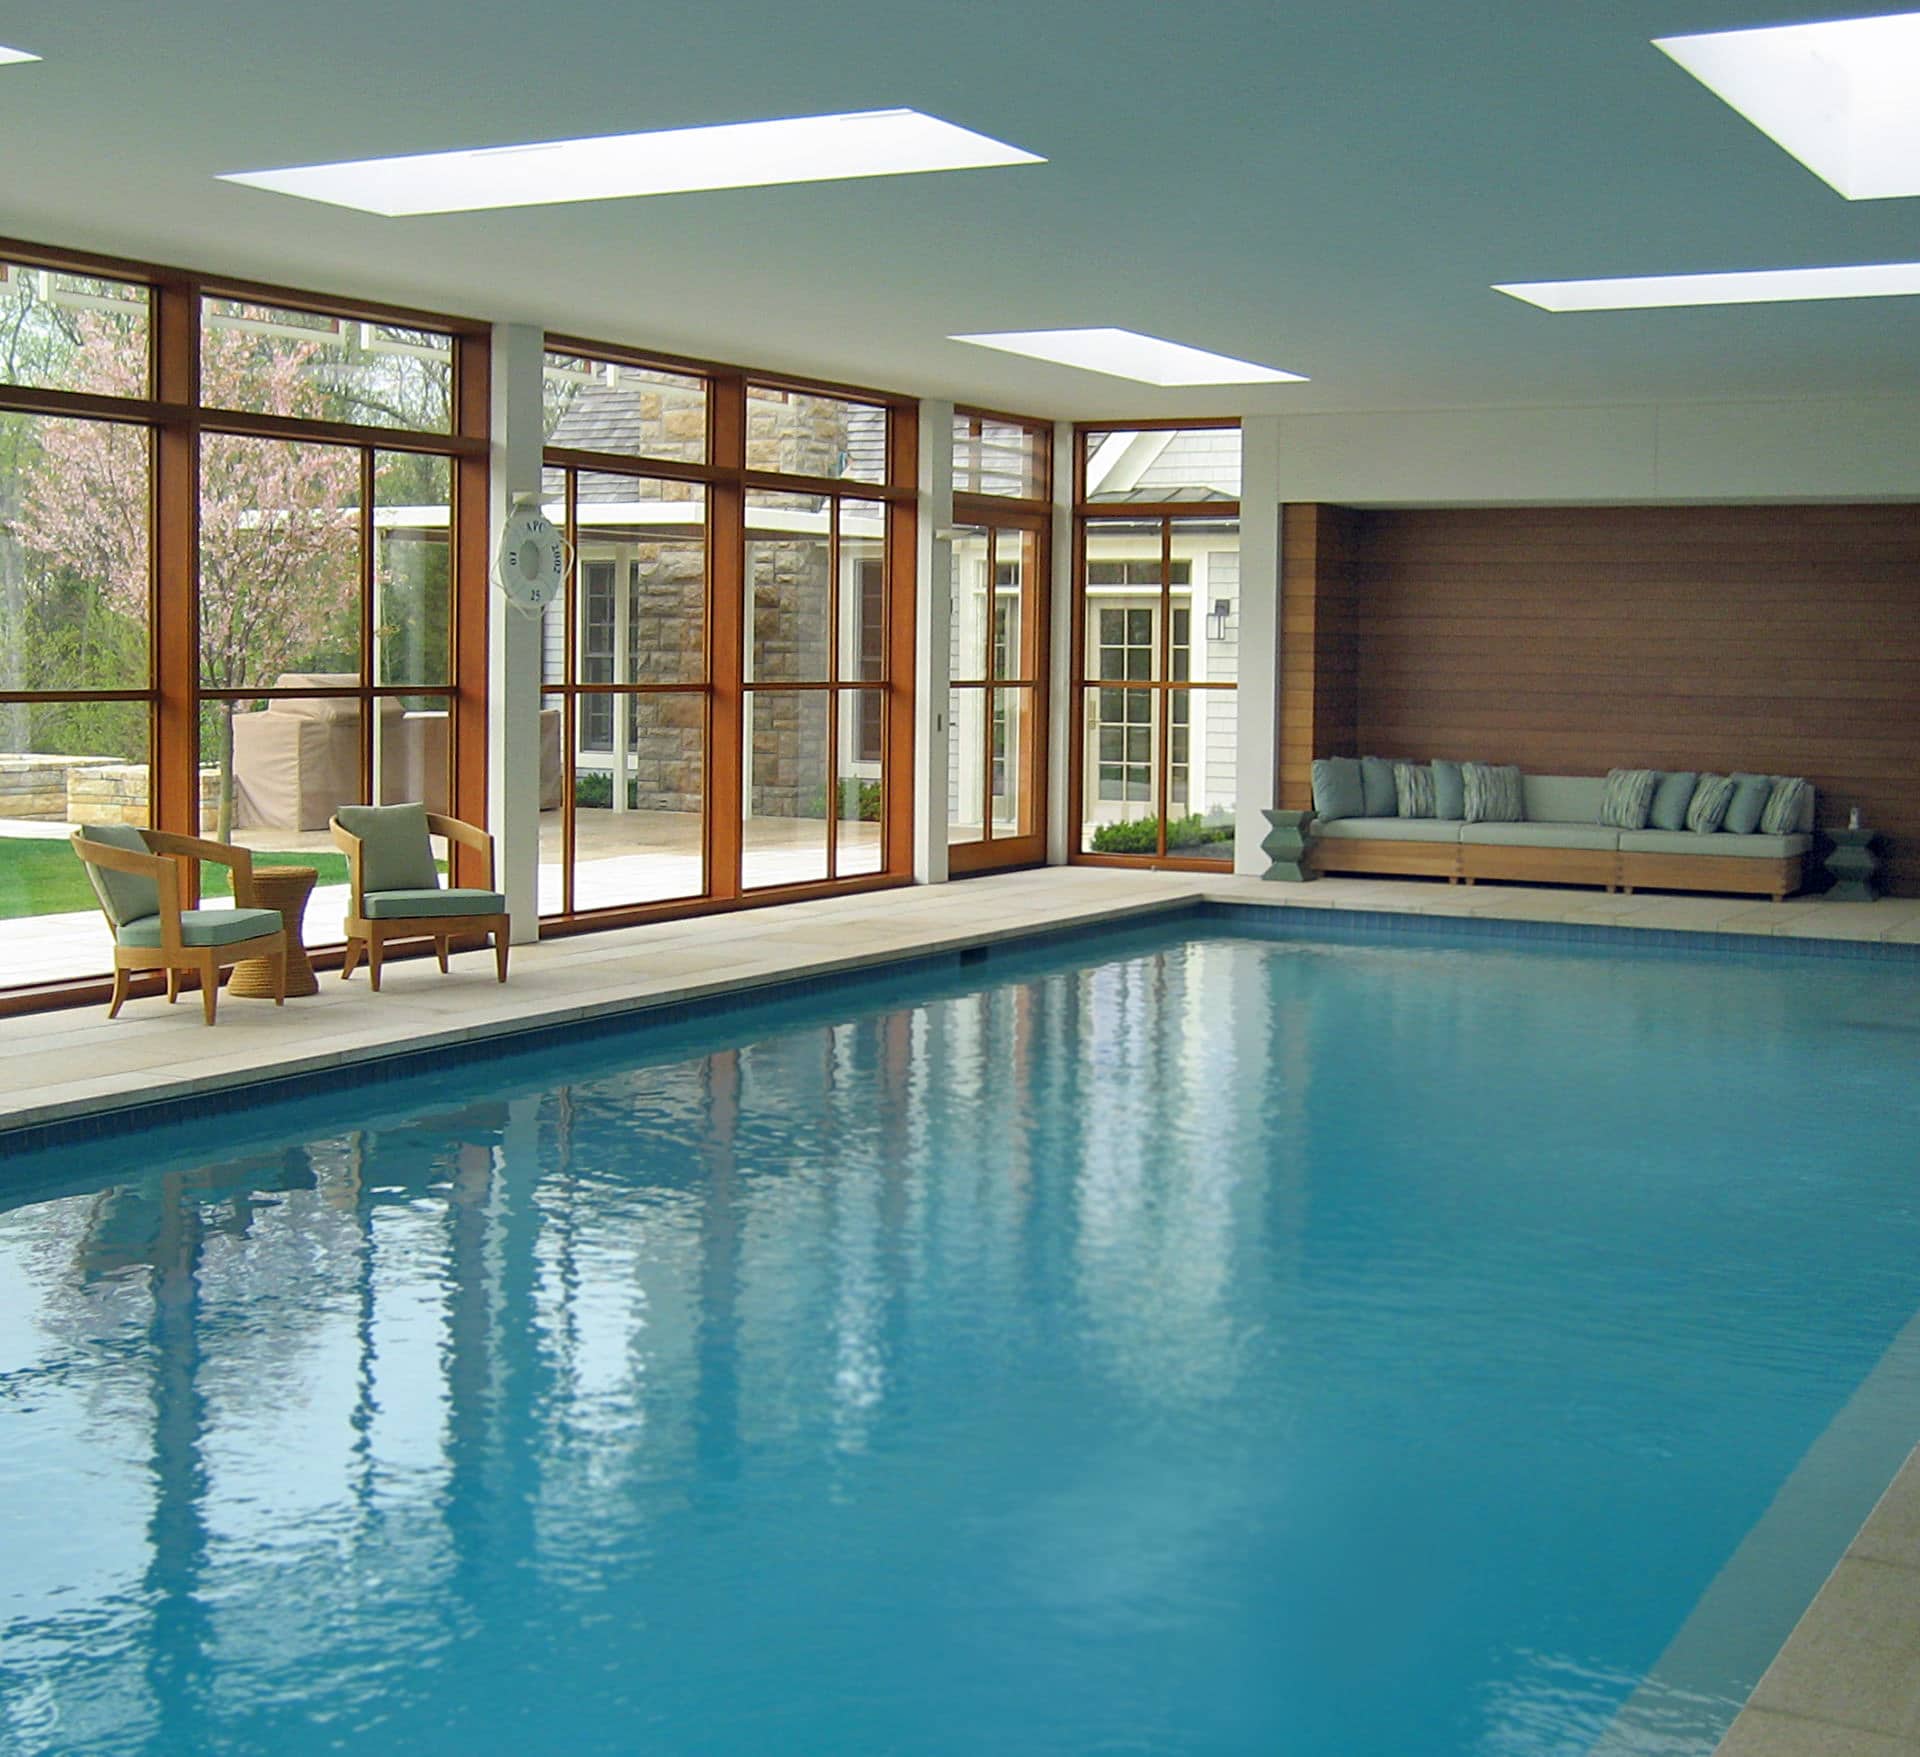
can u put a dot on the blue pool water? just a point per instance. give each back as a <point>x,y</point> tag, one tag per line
<point>1178,1344</point>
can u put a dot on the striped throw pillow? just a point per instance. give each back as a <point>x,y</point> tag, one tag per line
<point>1782,816</point>
<point>1628,798</point>
<point>1707,810</point>
<point>1492,793</point>
<point>1413,788</point>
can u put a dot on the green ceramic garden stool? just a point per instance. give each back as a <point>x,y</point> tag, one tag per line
<point>1286,846</point>
<point>1854,865</point>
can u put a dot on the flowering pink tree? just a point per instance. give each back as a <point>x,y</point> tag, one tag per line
<point>279,529</point>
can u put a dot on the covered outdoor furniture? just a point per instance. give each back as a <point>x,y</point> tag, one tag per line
<point>395,890</point>
<point>137,876</point>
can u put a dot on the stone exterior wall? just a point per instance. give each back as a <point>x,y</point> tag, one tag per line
<point>85,790</point>
<point>34,787</point>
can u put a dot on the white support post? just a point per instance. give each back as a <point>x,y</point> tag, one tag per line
<point>1063,710</point>
<point>513,648</point>
<point>933,615</point>
<point>1257,700</point>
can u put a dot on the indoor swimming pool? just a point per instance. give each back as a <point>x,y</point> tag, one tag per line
<point>1188,1340</point>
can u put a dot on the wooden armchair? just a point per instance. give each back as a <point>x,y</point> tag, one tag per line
<point>395,890</point>
<point>136,874</point>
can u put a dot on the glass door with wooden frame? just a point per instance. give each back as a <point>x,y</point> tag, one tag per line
<point>996,734</point>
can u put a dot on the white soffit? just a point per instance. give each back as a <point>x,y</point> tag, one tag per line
<point>1123,353</point>
<point>1842,97</point>
<point>1764,286</point>
<point>10,56</point>
<point>734,155</point>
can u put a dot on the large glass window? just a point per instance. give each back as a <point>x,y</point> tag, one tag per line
<point>225,606</point>
<point>1158,635</point>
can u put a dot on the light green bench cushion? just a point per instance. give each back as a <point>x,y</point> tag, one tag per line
<point>1388,829</point>
<point>396,852</point>
<point>402,905</point>
<point>1754,846</point>
<point>125,896</point>
<point>1563,799</point>
<point>204,927</point>
<point>1590,836</point>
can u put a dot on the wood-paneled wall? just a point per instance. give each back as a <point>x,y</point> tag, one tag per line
<point>1318,661</point>
<point>1776,639</point>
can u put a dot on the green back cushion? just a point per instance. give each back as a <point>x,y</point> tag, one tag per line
<point>1492,793</point>
<point>1376,781</point>
<point>1413,789</point>
<point>1782,814</point>
<point>1449,792</point>
<point>1628,798</point>
<point>1707,810</point>
<point>396,853</point>
<point>1750,796</point>
<point>1337,791</point>
<point>125,896</point>
<point>1671,799</point>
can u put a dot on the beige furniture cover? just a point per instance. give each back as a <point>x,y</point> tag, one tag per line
<point>295,762</point>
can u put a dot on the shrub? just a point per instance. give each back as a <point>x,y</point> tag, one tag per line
<point>1142,835</point>
<point>593,789</point>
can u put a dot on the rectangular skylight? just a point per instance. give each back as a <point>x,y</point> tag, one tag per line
<point>1839,96</point>
<point>1764,286</point>
<point>1121,353</point>
<point>9,56</point>
<point>734,155</point>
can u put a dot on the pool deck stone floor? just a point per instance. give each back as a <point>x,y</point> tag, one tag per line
<point>1847,1682</point>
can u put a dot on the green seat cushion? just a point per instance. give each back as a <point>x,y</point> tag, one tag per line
<point>1628,798</point>
<point>125,896</point>
<point>204,927</point>
<point>1376,782</point>
<point>1449,792</point>
<point>1492,793</point>
<point>1388,829</point>
<point>396,852</point>
<point>1413,789</point>
<point>1671,799</point>
<point>415,900</point>
<point>1750,796</point>
<point>1337,791</point>
<point>1755,847</point>
<point>1591,836</point>
<point>1707,810</point>
<point>1785,806</point>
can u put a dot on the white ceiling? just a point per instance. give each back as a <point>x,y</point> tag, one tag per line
<point>1330,189</point>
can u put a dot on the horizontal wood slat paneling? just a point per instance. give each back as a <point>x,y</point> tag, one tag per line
<point>1778,639</point>
<point>1319,670</point>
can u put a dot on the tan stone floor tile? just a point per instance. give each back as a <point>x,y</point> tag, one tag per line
<point>1760,1734</point>
<point>1892,1531</point>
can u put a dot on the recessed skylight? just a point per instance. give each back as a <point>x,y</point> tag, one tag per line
<point>9,56</point>
<point>734,155</point>
<point>1121,353</point>
<point>1841,96</point>
<point>1764,286</point>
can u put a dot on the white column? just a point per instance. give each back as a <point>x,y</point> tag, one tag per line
<point>933,613</point>
<point>1063,711</point>
<point>513,648</point>
<point>1257,700</point>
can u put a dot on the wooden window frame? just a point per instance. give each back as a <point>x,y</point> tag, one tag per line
<point>178,420</point>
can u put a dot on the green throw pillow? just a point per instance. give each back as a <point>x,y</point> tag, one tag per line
<point>1449,792</point>
<point>1376,778</point>
<point>1628,798</point>
<point>1492,794</point>
<point>1671,799</point>
<point>1707,809</point>
<point>396,853</point>
<point>1337,792</point>
<point>125,896</point>
<point>1750,796</point>
<point>1782,814</point>
<point>1413,789</point>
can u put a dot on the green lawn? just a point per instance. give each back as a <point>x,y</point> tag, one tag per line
<point>45,878</point>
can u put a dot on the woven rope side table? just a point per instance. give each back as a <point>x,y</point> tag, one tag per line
<point>285,888</point>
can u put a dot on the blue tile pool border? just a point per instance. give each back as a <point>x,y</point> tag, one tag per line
<point>1276,921</point>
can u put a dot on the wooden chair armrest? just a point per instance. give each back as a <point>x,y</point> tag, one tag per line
<point>163,869</point>
<point>349,845</point>
<point>467,835</point>
<point>238,861</point>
